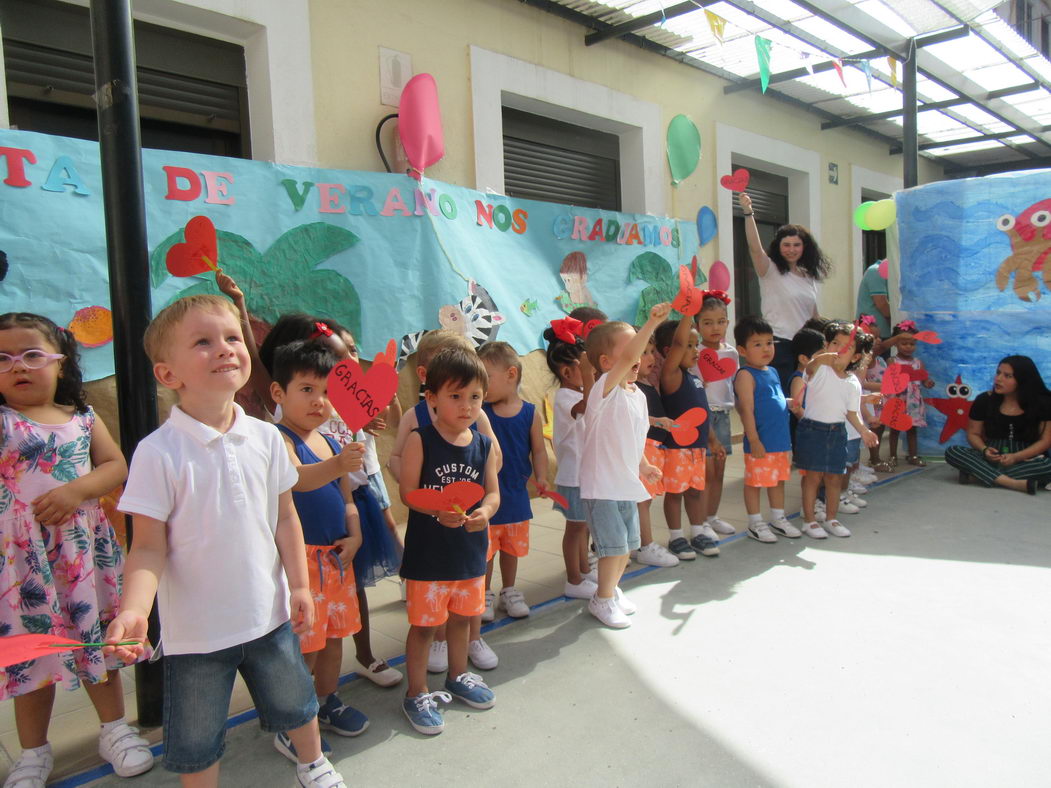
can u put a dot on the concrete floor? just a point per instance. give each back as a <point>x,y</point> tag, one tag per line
<point>912,654</point>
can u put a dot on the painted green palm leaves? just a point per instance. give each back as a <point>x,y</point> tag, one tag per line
<point>284,278</point>
<point>663,281</point>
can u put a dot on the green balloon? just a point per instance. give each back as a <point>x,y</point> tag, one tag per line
<point>684,148</point>
<point>881,215</point>
<point>861,215</point>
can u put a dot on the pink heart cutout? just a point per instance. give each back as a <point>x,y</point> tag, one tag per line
<point>737,182</point>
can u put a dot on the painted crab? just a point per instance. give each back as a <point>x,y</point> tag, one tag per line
<point>1030,236</point>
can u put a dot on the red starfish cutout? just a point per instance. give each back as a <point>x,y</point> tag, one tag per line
<point>957,412</point>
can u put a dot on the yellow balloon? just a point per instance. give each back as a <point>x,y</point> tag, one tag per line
<point>881,214</point>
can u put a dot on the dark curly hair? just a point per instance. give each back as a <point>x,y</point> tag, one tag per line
<point>812,261</point>
<point>561,353</point>
<point>70,390</point>
<point>292,327</point>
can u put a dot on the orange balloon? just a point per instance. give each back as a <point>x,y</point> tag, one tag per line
<point>92,326</point>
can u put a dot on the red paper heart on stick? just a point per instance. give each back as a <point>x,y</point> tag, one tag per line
<point>360,396</point>
<point>917,375</point>
<point>895,380</point>
<point>456,497</point>
<point>389,356</point>
<point>689,299</point>
<point>737,182</point>
<point>198,253</point>
<point>930,337</point>
<point>894,415</point>
<point>714,368</point>
<point>22,648</point>
<point>558,498</point>
<point>684,431</point>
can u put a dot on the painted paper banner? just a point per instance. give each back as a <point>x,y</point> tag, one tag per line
<point>975,269</point>
<point>381,253</point>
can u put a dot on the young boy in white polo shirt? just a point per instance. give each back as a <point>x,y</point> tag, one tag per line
<point>216,534</point>
<point>615,424</point>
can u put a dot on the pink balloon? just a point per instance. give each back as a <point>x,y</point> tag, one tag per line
<point>719,276</point>
<point>420,124</point>
<point>884,268</point>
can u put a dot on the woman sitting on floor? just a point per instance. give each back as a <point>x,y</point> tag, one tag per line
<point>1009,431</point>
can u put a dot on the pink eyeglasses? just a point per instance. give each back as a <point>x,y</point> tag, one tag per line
<point>31,359</point>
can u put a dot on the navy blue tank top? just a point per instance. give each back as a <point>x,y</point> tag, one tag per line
<point>513,435</point>
<point>423,415</point>
<point>690,395</point>
<point>655,408</point>
<point>770,409</point>
<point>432,551</point>
<point>323,512</point>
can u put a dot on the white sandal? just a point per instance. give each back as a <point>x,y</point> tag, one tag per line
<point>387,677</point>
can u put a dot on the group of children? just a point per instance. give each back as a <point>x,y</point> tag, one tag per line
<point>276,530</point>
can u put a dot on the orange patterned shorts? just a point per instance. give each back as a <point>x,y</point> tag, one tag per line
<point>510,538</point>
<point>335,593</point>
<point>683,470</point>
<point>654,456</point>
<point>770,471</point>
<point>429,602</point>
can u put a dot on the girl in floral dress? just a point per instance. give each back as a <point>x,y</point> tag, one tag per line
<point>903,338</point>
<point>60,563</point>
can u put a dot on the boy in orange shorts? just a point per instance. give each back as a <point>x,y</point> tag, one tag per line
<point>445,551</point>
<point>330,530</point>
<point>767,441</point>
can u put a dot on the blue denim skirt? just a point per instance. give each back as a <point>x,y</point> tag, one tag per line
<point>821,447</point>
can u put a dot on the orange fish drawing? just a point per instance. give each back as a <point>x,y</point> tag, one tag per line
<point>1030,236</point>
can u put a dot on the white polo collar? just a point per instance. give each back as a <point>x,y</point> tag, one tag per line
<point>205,434</point>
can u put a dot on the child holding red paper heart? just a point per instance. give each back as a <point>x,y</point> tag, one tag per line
<point>521,434</point>
<point>904,340</point>
<point>613,460</point>
<point>62,565</point>
<point>445,551</point>
<point>717,366</point>
<point>685,465</point>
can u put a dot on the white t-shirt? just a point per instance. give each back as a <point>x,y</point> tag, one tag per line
<point>223,583</point>
<point>337,429</point>
<point>614,439</point>
<point>567,437</point>
<point>789,300</point>
<point>851,432</point>
<point>720,393</point>
<point>829,397</point>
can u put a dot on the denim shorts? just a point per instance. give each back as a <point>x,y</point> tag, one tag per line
<point>720,423</point>
<point>853,451</point>
<point>379,489</point>
<point>575,513</point>
<point>614,526</point>
<point>821,447</point>
<point>197,689</point>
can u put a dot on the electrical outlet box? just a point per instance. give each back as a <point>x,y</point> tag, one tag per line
<point>395,71</point>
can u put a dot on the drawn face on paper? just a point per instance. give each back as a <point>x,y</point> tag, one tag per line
<point>577,287</point>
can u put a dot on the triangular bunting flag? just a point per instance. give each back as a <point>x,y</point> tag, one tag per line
<point>867,68</point>
<point>838,65</point>
<point>893,71</point>
<point>717,24</point>
<point>762,51</point>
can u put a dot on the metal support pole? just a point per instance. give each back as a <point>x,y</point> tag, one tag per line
<point>910,145</point>
<point>116,98</point>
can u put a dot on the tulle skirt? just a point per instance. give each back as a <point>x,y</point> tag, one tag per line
<point>379,555</point>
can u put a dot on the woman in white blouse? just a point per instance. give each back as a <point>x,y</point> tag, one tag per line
<point>789,271</point>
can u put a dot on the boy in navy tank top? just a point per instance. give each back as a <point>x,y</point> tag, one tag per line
<point>767,440</point>
<point>518,428</point>
<point>330,530</point>
<point>445,552</point>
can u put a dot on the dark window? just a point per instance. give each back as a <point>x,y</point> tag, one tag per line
<point>549,160</point>
<point>873,242</point>
<point>769,195</point>
<point>192,89</point>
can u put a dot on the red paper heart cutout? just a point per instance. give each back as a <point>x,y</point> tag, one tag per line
<point>684,431</point>
<point>462,494</point>
<point>918,375</point>
<point>360,396</point>
<point>198,253</point>
<point>737,182</point>
<point>389,356</point>
<point>895,380</point>
<point>930,337</point>
<point>713,368</point>
<point>428,499</point>
<point>558,498</point>
<point>894,415</point>
<point>689,299</point>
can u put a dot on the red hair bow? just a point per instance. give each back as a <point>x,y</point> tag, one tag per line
<point>568,329</point>
<point>720,294</point>
<point>321,330</point>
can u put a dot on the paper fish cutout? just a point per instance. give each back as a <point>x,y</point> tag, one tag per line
<point>737,182</point>
<point>529,307</point>
<point>684,431</point>
<point>359,396</point>
<point>23,648</point>
<point>894,415</point>
<point>456,497</point>
<point>198,253</point>
<point>689,299</point>
<point>713,368</point>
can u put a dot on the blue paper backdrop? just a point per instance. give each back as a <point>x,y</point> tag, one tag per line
<point>954,237</point>
<point>388,275</point>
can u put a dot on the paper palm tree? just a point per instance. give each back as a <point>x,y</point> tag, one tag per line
<point>663,281</point>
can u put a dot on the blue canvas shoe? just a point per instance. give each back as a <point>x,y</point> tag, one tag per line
<point>470,688</point>
<point>423,713</point>
<point>334,715</point>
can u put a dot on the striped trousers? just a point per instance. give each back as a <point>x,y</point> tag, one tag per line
<point>971,461</point>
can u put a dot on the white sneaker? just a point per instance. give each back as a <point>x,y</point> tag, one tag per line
<point>846,507</point>
<point>438,658</point>
<point>513,602</point>
<point>490,606</point>
<point>857,501</point>
<point>815,531</point>
<point>857,488</point>
<point>608,612</point>
<point>585,589</point>
<point>865,475</point>
<point>707,530</point>
<point>721,526</point>
<point>123,748</point>
<point>762,533</point>
<point>319,774</point>
<point>483,657</point>
<point>655,554</point>
<point>32,769</point>
<point>626,606</point>
<point>836,528</point>
<point>592,576</point>
<point>782,527</point>
<point>819,511</point>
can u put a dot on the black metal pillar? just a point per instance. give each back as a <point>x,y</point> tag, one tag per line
<point>116,98</point>
<point>910,143</point>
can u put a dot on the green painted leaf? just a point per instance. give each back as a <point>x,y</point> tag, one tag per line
<point>305,247</point>
<point>652,268</point>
